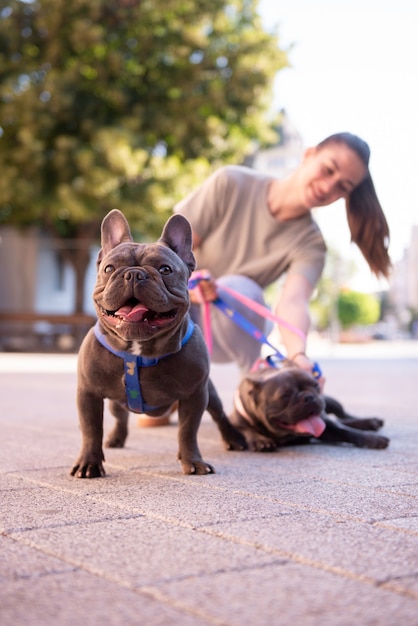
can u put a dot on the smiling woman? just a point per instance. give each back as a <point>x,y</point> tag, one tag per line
<point>250,228</point>
<point>343,161</point>
<point>368,87</point>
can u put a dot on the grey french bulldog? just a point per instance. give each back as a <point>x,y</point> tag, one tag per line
<point>145,354</point>
<point>276,406</point>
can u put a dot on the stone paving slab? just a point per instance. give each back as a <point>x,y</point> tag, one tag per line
<point>285,594</point>
<point>78,597</point>
<point>308,535</point>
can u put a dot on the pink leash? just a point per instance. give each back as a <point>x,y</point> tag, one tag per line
<point>263,311</point>
<point>243,322</point>
<point>194,283</point>
<point>207,328</point>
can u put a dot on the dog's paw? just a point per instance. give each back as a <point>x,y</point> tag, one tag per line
<point>90,470</point>
<point>197,467</point>
<point>236,441</point>
<point>236,445</point>
<point>113,441</point>
<point>232,437</point>
<point>365,423</point>
<point>375,442</point>
<point>374,423</point>
<point>262,444</point>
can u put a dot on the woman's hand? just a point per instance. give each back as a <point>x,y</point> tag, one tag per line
<point>306,364</point>
<point>206,290</point>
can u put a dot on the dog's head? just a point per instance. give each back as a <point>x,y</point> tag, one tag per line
<point>285,401</point>
<point>141,289</point>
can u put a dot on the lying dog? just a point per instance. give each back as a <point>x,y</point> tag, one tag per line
<point>145,353</point>
<point>275,407</point>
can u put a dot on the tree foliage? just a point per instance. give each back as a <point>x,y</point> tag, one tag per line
<point>125,104</point>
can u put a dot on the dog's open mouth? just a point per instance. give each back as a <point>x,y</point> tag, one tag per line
<point>136,312</point>
<point>313,425</point>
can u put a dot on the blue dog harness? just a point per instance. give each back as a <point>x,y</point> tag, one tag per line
<point>132,363</point>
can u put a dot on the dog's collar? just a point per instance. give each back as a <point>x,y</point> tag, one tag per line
<point>271,361</point>
<point>276,361</point>
<point>240,407</point>
<point>259,364</point>
<point>132,363</point>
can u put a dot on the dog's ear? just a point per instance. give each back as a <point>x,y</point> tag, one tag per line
<point>115,230</point>
<point>177,235</point>
<point>253,384</point>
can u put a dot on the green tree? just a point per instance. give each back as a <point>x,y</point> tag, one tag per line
<point>125,104</point>
<point>357,308</point>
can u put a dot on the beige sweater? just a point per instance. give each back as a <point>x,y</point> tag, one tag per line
<point>239,235</point>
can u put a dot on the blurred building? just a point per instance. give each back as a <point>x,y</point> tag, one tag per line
<point>412,285</point>
<point>34,275</point>
<point>403,287</point>
<point>285,156</point>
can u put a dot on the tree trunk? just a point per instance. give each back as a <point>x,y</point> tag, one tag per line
<point>78,255</point>
<point>87,235</point>
<point>80,263</point>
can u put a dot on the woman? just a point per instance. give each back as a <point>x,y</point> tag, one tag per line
<point>250,228</point>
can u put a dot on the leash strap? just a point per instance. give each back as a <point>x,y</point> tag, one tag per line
<point>251,329</point>
<point>132,364</point>
<point>194,283</point>
<point>263,311</point>
<point>243,322</point>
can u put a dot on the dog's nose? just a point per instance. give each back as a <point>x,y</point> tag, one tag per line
<point>135,274</point>
<point>308,398</point>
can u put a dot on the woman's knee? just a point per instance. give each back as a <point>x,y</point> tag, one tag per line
<point>242,285</point>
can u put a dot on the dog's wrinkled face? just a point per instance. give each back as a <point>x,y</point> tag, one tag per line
<point>141,289</point>
<point>285,401</point>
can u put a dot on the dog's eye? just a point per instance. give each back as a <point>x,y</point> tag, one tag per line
<point>109,269</point>
<point>165,270</point>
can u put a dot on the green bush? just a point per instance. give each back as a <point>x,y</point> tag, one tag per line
<point>356,308</point>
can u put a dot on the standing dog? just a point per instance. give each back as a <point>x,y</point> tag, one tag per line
<point>275,407</point>
<point>145,353</point>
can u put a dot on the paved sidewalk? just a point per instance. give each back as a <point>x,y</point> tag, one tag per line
<point>311,535</point>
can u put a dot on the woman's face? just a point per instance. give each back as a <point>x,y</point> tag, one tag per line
<point>330,173</point>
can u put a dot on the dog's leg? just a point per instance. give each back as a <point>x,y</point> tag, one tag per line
<point>190,413</point>
<point>257,442</point>
<point>361,423</point>
<point>90,461</point>
<point>118,435</point>
<point>335,432</point>
<point>233,439</point>
<point>254,439</point>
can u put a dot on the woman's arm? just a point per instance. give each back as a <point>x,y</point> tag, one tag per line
<point>293,307</point>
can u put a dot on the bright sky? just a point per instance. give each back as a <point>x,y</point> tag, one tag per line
<point>355,68</point>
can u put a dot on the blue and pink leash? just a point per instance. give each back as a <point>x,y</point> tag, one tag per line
<point>239,319</point>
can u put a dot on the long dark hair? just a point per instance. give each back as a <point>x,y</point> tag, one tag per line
<point>366,220</point>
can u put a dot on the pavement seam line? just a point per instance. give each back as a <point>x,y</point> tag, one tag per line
<point>296,558</point>
<point>238,492</point>
<point>146,590</point>
<point>338,571</point>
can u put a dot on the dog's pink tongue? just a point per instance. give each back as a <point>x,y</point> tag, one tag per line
<point>313,425</point>
<point>132,313</point>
